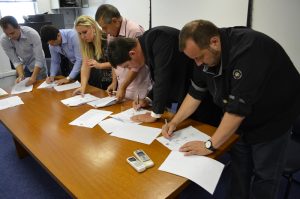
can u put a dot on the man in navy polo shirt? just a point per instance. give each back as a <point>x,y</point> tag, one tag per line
<point>253,80</point>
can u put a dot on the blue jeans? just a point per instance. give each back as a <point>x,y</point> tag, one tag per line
<point>257,168</point>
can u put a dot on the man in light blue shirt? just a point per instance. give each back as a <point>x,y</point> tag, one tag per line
<point>63,44</point>
<point>23,46</point>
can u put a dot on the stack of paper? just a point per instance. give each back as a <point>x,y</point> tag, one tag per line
<point>21,87</point>
<point>90,118</point>
<point>3,92</point>
<point>183,136</point>
<point>126,115</point>
<point>67,86</point>
<point>102,102</point>
<point>78,100</point>
<point>202,170</point>
<point>134,132</point>
<point>46,85</point>
<point>10,102</point>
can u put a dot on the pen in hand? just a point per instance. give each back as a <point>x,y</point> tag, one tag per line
<point>112,93</point>
<point>167,129</point>
<point>138,102</point>
<point>166,123</point>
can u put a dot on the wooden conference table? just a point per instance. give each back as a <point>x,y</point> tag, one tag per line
<point>88,163</point>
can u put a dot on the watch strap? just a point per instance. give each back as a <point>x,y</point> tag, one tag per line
<point>211,147</point>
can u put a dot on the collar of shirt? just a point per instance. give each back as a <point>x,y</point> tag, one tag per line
<point>215,70</point>
<point>123,32</point>
<point>23,34</point>
<point>63,38</point>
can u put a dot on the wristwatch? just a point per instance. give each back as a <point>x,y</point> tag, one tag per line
<point>209,146</point>
<point>68,78</point>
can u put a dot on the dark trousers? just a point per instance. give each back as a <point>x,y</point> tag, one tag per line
<point>257,168</point>
<point>66,67</point>
<point>100,78</point>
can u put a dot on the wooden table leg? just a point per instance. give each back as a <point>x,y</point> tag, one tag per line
<point>21,151</point>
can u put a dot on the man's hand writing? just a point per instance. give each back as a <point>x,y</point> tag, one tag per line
<point>141,103</point>
<point>167,129</point>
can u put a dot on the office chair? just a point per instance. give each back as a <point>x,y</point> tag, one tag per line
<point>293,158</point>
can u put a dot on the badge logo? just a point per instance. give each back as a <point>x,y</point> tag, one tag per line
<point>237,74</point>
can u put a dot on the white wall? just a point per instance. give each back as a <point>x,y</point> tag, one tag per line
<point>279,19</point>
<point>136,10</point>
<point>176,13</point>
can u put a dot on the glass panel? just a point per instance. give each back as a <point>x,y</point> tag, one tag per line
<point>18,10</point>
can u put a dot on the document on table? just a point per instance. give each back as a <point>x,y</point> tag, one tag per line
<point>126,115</point>
<point>109,125</point>
<point>67,86</point>
<point>10,102</point>
<point>202,170</point>
<point>90,118</point>
<point>3,92</point>
<point>183,136</point>
<point>46,85</point>
<point>78,100</point>
<point>129,131</point>
<point>135,132</point>
<point>21,87</point>
<point>102,102</point>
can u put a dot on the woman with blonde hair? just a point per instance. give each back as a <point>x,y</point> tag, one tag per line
<point>95,69</point>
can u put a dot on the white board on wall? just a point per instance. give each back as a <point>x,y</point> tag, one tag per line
<point>176,13</point>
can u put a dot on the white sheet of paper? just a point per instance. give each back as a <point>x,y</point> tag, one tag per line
<point>183,136</point>
<point>46,85</point>
<point>67,86</point>
<point>202,170</point>
<point>135,132</point>
<point>78,100</point>
<point>126,115</point>
<point>90,118</point>
<point>21,88</point>
<point>10,102</point>
<point>3,92</point>
<point>102,102</point>
<point>109,125</point>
